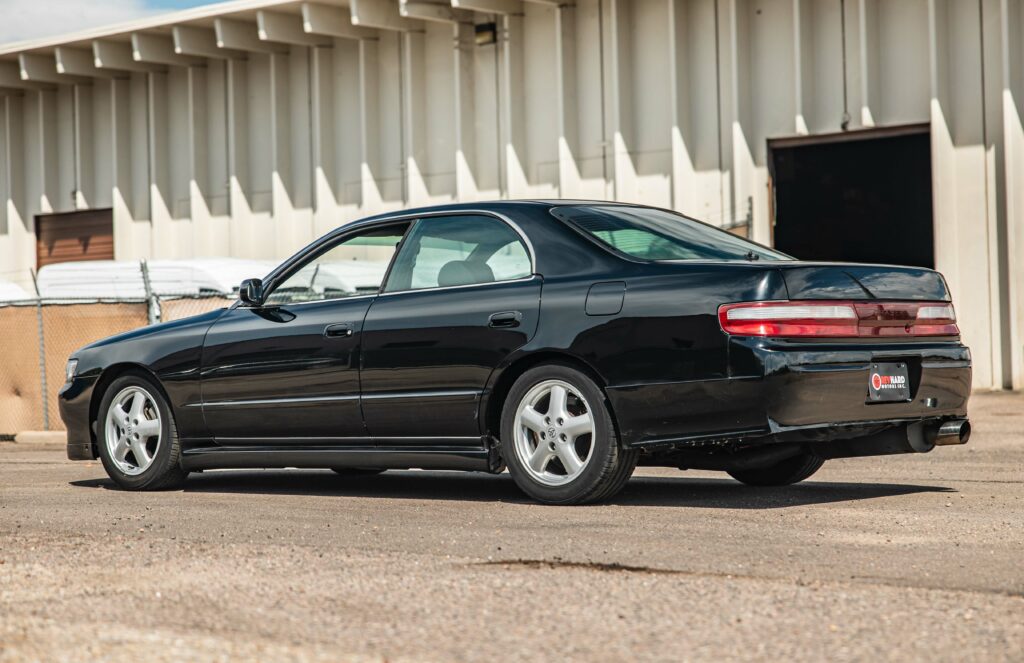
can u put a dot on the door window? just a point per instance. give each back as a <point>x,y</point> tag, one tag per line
<point>449,251</point>
<point>354,266</point>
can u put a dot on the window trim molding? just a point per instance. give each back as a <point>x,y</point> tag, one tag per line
<point>522,279</point>
<point>284,269</point>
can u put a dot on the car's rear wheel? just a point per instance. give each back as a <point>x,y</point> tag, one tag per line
<point>558,438</point>
<point>783,473</point>
<point>137,438</point>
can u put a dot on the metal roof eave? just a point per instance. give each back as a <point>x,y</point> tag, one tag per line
<point>157,22</point>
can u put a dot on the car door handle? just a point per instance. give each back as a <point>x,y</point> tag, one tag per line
<point>340,330</point>
<point>505,319</point>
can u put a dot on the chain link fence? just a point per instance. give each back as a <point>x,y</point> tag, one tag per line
<point>37,335</point>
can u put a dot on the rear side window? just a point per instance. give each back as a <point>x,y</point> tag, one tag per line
<point>652,234</point>
<point>444,251</point>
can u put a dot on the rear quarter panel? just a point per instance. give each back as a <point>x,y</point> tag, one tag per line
<point>663,358</point>
<point>667,330</point>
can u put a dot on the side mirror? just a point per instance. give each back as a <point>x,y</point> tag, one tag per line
<point>251,292</point>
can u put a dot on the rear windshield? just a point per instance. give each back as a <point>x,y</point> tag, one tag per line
<point>652,234</point>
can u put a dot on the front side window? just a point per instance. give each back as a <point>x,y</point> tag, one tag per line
<point>652,234</point>
<point>354,266</point>
<point>446,251</point>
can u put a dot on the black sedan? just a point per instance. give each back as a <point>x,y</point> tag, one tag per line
<point>569,341</point>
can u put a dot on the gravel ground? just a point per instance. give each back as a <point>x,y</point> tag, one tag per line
<point>908,557</point>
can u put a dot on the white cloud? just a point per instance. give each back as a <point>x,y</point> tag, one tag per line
<point>29,19</point>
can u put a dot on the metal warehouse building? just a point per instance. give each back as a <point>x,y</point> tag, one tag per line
<point>877,130</point>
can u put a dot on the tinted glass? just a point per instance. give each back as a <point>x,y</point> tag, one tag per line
<point>651,234</point>
<point>355,266</point>
<point>459,250</point>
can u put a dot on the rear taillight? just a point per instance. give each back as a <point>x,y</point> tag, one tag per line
<point>838,319</point>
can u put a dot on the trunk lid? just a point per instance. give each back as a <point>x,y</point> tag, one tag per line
<point>806,280</point>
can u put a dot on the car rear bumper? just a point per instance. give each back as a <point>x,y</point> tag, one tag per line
<point>808,386</point>
<point>73,401</point>
<point>786,390</point>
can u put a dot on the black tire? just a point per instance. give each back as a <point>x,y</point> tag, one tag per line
<point>165,471</point>
<point>608,466</point>
<point>784,473</point>
<point>357,471</point>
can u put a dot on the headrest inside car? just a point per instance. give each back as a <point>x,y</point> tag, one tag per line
<point>464,272</point>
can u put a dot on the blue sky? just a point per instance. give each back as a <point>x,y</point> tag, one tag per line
<point>32,19</point>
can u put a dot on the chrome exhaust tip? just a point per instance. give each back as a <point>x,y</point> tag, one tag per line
<point>956,431</point>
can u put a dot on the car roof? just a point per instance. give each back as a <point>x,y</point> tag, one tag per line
<point>489,205</point>
<point>495,206</point>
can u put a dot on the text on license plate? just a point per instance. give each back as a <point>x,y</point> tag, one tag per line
<point>887,382</point>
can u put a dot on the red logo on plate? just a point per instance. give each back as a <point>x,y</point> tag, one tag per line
<point>876,381</point>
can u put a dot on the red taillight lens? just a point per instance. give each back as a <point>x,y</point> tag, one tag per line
<point>907,319</point>
<point>838,319</point>
<point>789,319</point>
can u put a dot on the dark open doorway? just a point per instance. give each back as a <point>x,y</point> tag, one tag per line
<point>862,196</point>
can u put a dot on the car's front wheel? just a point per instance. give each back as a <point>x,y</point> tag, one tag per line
<point>558,439</point>
<point>137,439</point>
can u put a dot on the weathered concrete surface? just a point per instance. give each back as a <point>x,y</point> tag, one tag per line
<point>910,557</point>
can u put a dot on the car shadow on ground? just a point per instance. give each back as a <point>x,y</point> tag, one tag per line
<point>698,492</point>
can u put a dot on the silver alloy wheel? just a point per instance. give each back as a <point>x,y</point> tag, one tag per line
<point>133,430</point>
<point>554,443</point>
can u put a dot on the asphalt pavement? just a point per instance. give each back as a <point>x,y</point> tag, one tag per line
<point>903,558</point>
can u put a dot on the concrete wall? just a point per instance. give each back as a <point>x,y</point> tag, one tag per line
<point>306,116</point>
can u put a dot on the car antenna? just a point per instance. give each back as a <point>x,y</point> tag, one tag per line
<point>751,256</point>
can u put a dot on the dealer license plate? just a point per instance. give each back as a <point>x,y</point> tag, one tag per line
<point>888,382</point>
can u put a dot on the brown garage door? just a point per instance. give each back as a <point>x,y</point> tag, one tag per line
<point>74,236</point>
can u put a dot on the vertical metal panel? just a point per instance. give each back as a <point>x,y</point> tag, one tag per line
<point>214,122</point>
<point>137,102</point>
<point>348,125</point>
<point>5,173</point>
<point>65,124</point>
<point>100,163</point>
<point>1011,92</point>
